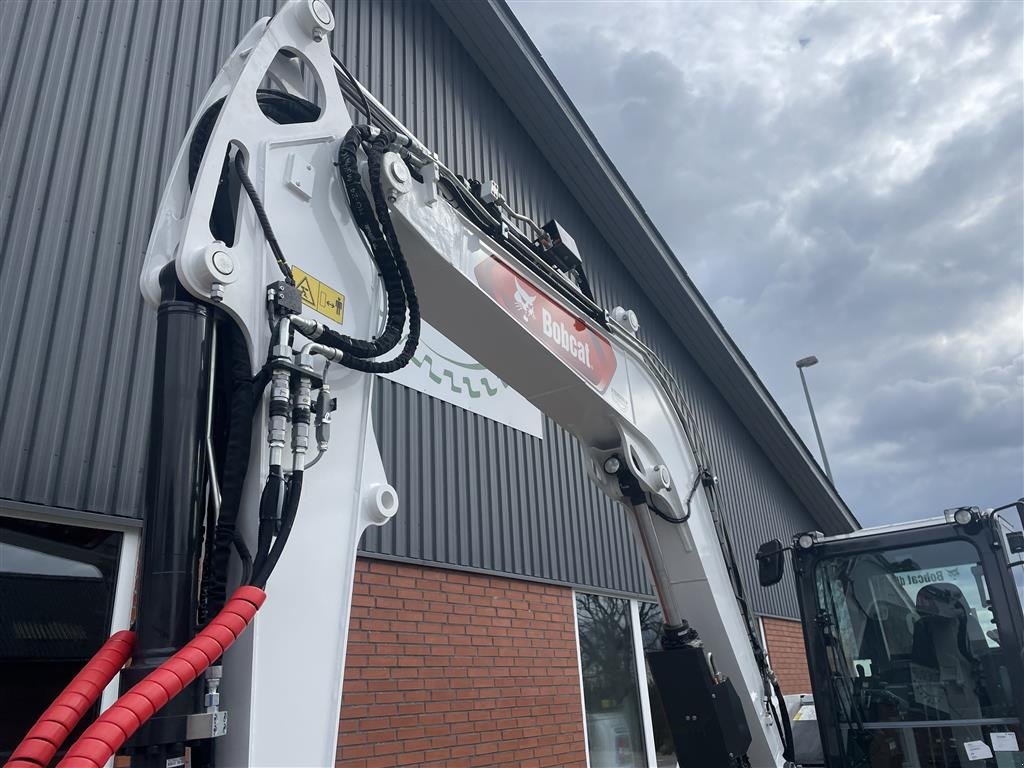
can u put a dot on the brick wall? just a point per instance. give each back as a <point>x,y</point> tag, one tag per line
<point>786,652</point>
<point>446,668</point>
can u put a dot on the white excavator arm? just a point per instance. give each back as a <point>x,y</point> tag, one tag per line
<point>518,304</point>
<point>525,321</point>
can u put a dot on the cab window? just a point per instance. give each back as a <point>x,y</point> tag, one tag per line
<point>919,674</point>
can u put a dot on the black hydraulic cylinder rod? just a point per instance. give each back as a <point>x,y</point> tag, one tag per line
<point>173,511</point>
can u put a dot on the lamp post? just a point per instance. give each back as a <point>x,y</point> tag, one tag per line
<point>807,362</point>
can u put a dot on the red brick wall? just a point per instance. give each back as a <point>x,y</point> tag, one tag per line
<point>446,668</point>
<point>786,652</point>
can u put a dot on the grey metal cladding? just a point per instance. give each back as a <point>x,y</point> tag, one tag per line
<point>96,97</point>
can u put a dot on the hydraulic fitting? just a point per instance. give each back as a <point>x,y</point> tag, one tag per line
<point>328,353</point>
<point>277,424</point>
<point>308,327</point>
<point>212,677</point>
<point>324,408</point>
<point>300,421</point>
<point>280,397</point>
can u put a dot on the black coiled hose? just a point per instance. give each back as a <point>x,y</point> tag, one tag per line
<point>374,221</point>
<point>383,256</point>
<point>236,462</point>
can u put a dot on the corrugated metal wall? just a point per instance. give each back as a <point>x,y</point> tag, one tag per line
<point>96,97</point>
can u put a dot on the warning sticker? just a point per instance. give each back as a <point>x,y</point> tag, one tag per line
<point>319,296</point>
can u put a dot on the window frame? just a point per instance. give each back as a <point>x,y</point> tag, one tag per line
<point>641,674</point>
<point>579,672</point>
<point>640,665</point>
<point>127,564</point>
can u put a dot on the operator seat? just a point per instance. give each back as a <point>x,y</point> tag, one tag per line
<point>947,633</point>
<point>946,670</point>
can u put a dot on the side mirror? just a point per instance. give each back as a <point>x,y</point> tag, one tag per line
<point>1018,505</point>
<point>771,562</point>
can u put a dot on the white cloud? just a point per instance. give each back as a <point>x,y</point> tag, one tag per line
<point>843,179</point>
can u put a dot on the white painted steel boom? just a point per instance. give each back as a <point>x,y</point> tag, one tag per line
<point>527,323</point>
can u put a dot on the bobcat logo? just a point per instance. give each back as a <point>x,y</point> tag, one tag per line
<point>524,302</point>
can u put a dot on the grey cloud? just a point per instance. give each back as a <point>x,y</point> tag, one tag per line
<point>958,415</point>
<point>859,197</point>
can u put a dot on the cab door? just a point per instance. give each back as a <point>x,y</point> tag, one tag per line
<point>914,646</point>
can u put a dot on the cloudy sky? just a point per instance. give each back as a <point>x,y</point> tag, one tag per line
<point>843,179</point>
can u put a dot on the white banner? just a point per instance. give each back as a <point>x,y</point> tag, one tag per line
<point>442,370</point>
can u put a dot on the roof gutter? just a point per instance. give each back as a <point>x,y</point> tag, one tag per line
<point>505,54</point>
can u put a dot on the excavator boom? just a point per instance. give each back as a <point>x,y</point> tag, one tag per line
<point>274,182</point>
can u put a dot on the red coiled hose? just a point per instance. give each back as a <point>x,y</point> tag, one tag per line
<point>43,740</point>
<point>113,728</point>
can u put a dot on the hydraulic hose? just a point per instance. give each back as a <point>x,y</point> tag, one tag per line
<point>264,220</point>
<point>789,747</point>
<point>291,506</point>
<point>270,504</point>
<point>383,253</point>
<point>375,159</point>
<point>43,740</point>
<point>369,216</point>
<point>236,463</point>
<point>374,221</point>
<point>113,728</point>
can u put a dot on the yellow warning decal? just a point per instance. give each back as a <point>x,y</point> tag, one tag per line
<point>319,296</point>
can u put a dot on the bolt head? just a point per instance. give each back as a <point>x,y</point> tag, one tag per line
<point>612,465</point>
<point>663,476</point>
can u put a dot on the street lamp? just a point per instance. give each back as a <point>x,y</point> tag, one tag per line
<point>807,362</point>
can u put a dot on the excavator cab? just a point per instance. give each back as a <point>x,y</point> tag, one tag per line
<point>914,641</point>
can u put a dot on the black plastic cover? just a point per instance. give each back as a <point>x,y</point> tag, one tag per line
<point>771,563</point>
<point>709,727</point>
<point>285,299</point>
<point>562,252</point>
